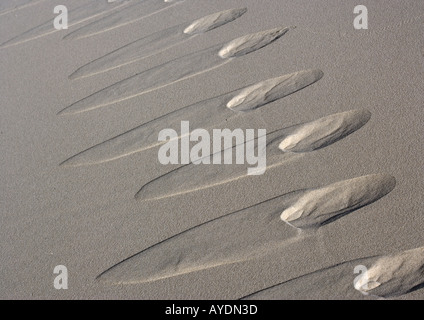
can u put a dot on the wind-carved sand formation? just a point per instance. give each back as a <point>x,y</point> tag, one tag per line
<point>255,231</point>
<point>387,277</point>
<point>176,70</point>
<point>248,233</point>
<point>13,5</point>
<point>394,275</point>
<point>206,114</point>
<point>78,15</point>
<point>321,206</point>
<point>134,12</point>
<point>157,42</point>
<point>282,146</point>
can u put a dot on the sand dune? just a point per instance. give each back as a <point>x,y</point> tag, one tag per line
<point>156,42</point>
<point>323,132</point>
<point>204,114</point>
<point>245,234</point>
<point>394,275</point>
<point>334,213</point>
<point>321,206</point>
<point>336,280</point>
<point>174,71</point>
<point>387,277</point>
<point>194,177</point>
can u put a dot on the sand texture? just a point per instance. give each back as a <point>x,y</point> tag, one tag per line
<point>336,111</point>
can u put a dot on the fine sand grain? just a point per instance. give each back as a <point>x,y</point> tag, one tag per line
<point>338,112</point>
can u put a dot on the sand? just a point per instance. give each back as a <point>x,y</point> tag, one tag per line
<point>82,185</point>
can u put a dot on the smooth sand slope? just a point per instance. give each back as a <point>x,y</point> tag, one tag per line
<point>337,212</point>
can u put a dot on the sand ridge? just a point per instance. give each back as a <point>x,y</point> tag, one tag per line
<point>342,188</point>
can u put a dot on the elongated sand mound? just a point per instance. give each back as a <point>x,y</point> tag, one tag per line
<point>207,114</point>
<point>235,237</point>
<point>394,275</point>
<point>194,177</point>
<point>173,71</point>
<point>325,131</point>
<point>317,207</point>
<point>156,43</point>
<point>273,89</point>
<point>214,21</point>
<point>377,276</point>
